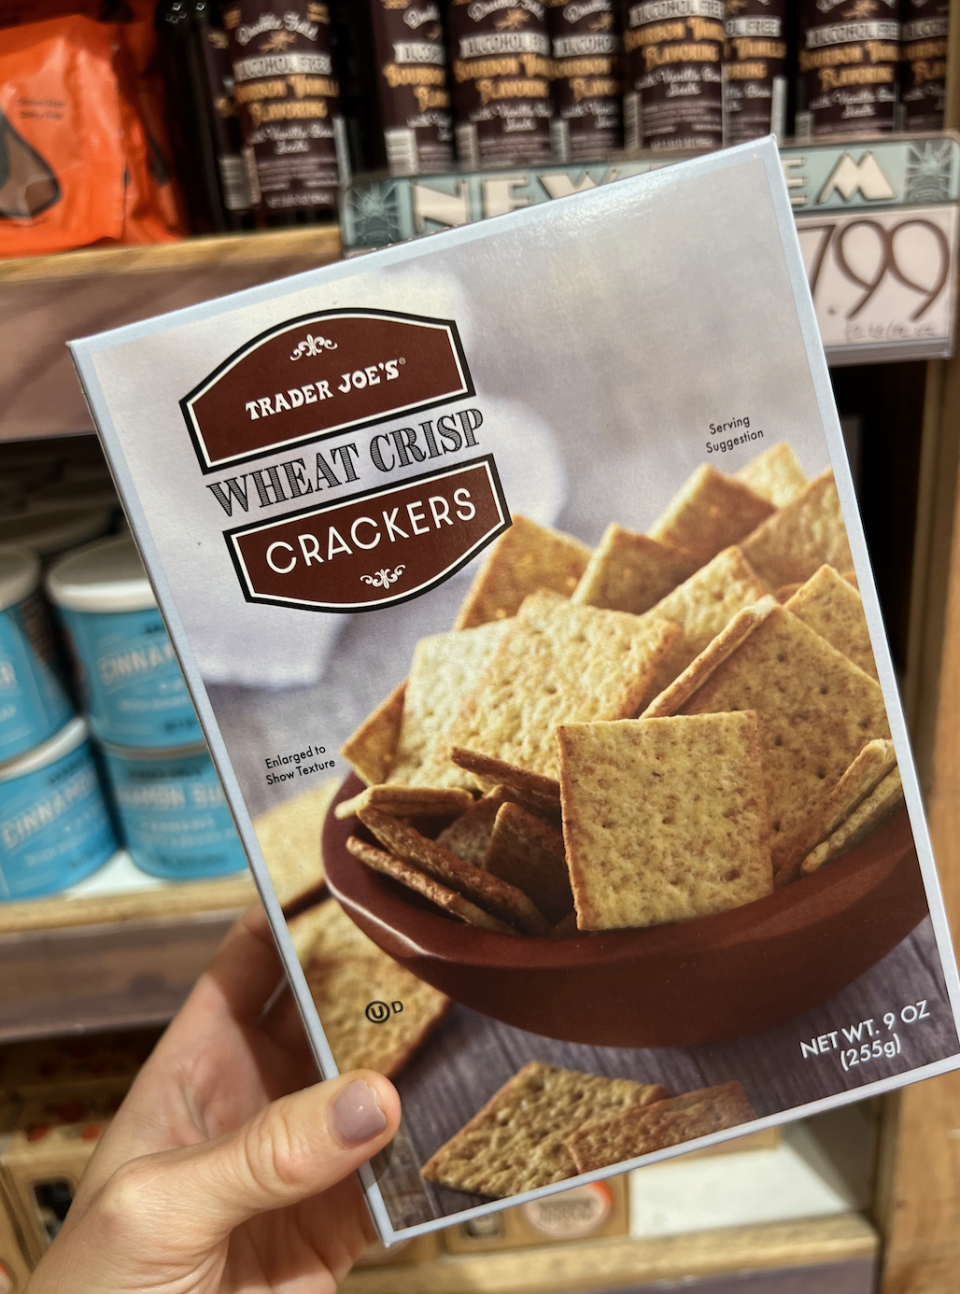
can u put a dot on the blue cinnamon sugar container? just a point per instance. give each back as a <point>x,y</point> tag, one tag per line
<point>133,688</point>
<point>175,818</point>
<point>33,702</point>
<point>55,829</point>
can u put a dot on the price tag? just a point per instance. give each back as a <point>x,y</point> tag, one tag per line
<point>882,281</point>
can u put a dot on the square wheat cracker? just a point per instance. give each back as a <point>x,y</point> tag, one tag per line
<point>289,839</point>
<point>631,572</point>
<point>559,664</point>
<point>815,708</point>
<point>371,749</point>
<point>516,1142</point>
<point>865,773</point>
<point>533,790</point>
<point>833,607</point>
<point>702,606</point>
<point>806,534</point>
<point>345,971</point>
<point>442,673</point>
<point>710,512</point>
<point>469,835</point>
<point>775,474</point>
<point>663,819</point>
<point>325,930</point>
<point>498,897</point>
<point>406,801</point>
<point>428,887</point>
<point>630,1133</point>
<point>525,558</point>
<point>881,803</point>
<point>530,855</point>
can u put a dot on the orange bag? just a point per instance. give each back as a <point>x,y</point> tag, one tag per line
<point>151,212</point>
<point>62,157</point>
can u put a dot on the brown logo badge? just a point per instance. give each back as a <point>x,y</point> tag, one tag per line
<point>374,549</point>
<point>321,374</point>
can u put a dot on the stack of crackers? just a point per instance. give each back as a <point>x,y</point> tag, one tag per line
<point>668,726</point>
<point>547,1124</point>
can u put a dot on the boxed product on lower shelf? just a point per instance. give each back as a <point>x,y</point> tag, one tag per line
<point>44,1150</point>
<point>32,1069</point>
<point>596,1210</point>
<point>14,1266</point>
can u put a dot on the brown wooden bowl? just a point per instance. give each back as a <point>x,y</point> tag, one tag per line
<point>705,980</point>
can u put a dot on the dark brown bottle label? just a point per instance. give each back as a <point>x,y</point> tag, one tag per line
<point>674,53</point>
<point>414,94</point>
<point>848,66</point>
<point>288,99</point>
<point>585,44</point>
<point>923,50</point>
<point>755,70</point>
<point>500,64</point>
<point>227,136</point>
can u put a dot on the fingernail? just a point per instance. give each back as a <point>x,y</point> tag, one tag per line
<point>357,1115</point>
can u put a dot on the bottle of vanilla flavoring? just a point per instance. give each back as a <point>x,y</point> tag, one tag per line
<point>288,98</point>
<point>500,71</point>
<point>848,55</point>
<point>755,70</point>
<point>212,163</point>
<point>923,51</point>
<point>411,58</point>
<point>585,44</point>
<point>674,92</point>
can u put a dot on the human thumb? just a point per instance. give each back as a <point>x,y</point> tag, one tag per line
<point>294,1148</point>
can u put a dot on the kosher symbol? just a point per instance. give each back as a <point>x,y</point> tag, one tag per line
<point>380,1012</point>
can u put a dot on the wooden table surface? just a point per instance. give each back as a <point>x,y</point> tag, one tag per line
<point>471,1056</point>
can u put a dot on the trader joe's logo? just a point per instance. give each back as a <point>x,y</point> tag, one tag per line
<point>321,374</point>
<point>374,549</point>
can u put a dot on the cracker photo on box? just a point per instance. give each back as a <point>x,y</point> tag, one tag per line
<point>519,583</point>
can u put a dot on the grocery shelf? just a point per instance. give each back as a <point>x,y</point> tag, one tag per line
<point>47,300</point>
<point>877,219</point>
<point>634,1264</point>
<point>900,194</point>
<point>109,961</point>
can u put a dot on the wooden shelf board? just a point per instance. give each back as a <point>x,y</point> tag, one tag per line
<point>158,258</point>
<point>612,1264</point>
<point>48,300</point>
<point>112,961</point>
<point>90,978</point>
<point>181,901</point>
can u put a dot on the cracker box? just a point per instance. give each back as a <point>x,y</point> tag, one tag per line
<point>42,1066</point>
<point>14,1268</point>
<point>43,1153</point>
<point>594,1211</point>
<point>539,537</point>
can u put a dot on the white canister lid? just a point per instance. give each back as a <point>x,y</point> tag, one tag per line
<point>105,576</point>
<point>50,533</point>
<point>19,575</point>
<point>56,747</point>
